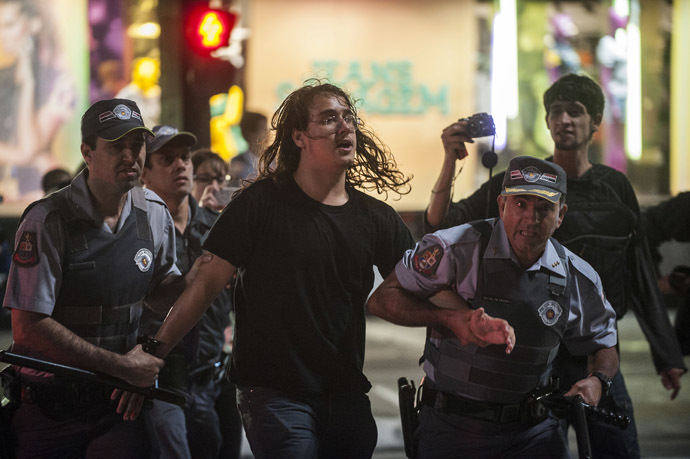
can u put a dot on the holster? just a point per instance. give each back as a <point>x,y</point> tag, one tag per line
<point>408,414</point>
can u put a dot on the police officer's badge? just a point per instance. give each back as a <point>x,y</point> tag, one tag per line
<point>123,112</point>
<point>143,259</point>
<point>26,254</point>
<point>550,312</point>
<point>531,174</point>
<point>427,261</point>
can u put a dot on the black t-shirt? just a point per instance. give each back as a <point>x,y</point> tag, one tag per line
<point>304,274</point>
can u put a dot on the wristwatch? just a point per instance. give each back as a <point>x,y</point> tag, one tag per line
<point>604,380</point>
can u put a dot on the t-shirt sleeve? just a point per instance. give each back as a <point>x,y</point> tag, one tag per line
<point>592,320</point>
<point>394,240</point>
<point>233,235</point>
<point>35,273</point>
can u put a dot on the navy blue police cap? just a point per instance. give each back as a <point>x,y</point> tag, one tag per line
<point>111,119</point>
<point>536,177</point>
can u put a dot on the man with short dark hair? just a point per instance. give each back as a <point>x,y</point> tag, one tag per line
<point>602,202</point>
<point>87,259</point>
<point>474,401</point>
<point>193,365</point>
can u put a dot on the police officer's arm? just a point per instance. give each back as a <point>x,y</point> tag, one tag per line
<point>52,341</point>
<point>603,361</point>
<point>453,138</point>
<point>393,303</point>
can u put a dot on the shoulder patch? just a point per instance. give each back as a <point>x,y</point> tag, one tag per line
<point>426,262</point>
<point>26,254</point>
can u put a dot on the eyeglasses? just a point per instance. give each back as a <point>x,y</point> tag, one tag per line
<point>206,178</point>
<point>332,123</point>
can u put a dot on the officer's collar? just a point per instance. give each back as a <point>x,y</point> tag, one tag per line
<point>81,197</point>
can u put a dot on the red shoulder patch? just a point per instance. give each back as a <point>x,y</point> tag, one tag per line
<point>26,254</point>
<point>426,263</point>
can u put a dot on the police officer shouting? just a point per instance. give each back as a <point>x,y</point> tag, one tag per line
<point>474,398</point>
<point>87,258</point>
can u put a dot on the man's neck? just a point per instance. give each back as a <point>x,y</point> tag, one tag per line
<point>108,201</point>
<point>322,186</point>
<point>574,162</point>
<point>179,209</point>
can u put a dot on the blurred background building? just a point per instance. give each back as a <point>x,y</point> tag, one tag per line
<point>414,66</point>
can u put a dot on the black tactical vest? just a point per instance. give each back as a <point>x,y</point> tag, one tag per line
<point>535,304</point>
<point>105,276</point>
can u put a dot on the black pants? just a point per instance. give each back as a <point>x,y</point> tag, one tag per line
<point>97,432</point>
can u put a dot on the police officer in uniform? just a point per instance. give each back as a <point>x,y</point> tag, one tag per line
<point>473,398</point>
<point>88,258</point>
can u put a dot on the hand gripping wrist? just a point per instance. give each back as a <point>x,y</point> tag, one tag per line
<point>148,344</point>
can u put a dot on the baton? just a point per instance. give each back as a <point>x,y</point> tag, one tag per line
<point>164,395</point>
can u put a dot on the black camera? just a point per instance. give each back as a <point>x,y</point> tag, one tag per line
<point>480,125</point>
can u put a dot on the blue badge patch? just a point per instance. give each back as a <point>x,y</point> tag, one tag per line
<point>26,254</point>
<point>143,259</point>
<point>427,262</point>
<point>550,312</point>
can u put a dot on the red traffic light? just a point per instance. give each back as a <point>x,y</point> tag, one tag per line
<point>208,29</point>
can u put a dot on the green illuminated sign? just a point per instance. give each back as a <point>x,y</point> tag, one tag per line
<point>386,88</point>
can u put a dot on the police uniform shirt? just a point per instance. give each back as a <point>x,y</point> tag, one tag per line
<point>450,259</point>
<point>34,286</point>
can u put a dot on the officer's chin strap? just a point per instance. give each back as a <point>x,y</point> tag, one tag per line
<point>489,160</point>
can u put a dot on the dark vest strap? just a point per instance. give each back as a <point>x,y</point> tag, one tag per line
<point>139,204</point>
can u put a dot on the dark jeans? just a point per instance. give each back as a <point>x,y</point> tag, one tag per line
<point>99,433</point>
<point>168,422</point>
<point>443,436</point>
<point>608,441</point>
<point>230,421</point>
<point>323,426</point>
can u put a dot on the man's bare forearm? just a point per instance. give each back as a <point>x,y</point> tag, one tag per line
<point>162,298</point>
<point>42,335</point>
<point>604,361</point>
<point>441,194</point>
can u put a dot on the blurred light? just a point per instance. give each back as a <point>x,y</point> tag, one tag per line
<point>504,77</point>
<point>149,30</point>
<point>633,116</point>
<point>621,7</point>
<point>208,29</point>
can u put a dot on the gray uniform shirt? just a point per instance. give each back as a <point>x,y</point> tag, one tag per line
<point>35,288</point>
<point>451,258</point>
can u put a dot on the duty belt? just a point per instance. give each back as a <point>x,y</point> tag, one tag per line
<point>461,406</point>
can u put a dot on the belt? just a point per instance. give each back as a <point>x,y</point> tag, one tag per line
<point>66,394</point>
<point>461,406</point>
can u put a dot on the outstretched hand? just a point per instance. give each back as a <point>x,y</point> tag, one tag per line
<point>478,327</point>
<point>490,330</point>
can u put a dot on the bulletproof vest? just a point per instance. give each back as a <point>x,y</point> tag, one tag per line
<point>105,276</point>
<point>535,304</point>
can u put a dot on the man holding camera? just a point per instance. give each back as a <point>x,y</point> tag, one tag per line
<point>192,366</point>
<point>603,198</point>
